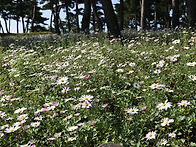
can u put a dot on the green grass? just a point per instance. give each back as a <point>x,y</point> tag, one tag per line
<point>121,107</point>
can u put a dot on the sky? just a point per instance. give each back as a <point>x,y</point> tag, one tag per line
<point>46,13</point>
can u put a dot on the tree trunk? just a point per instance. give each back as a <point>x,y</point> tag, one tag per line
<point>51,17</point>
<point>96,15</point>
<point>166,16</point>
<point>1,27</point>
<point>110,17</point>
<point>155,18</point>
<point>77,19</point>
<point>6,27</point>
<point>94,27</point>
<point>17,25</point>
<point>56,17</point>
<point>86,16</point>
<point>175,15</point>
<point>121,15</point>
<point>67,16</point>
<point>191,5</point>
<point>33,18</point>
<point>27,25</point>
<point>23,25</point>
<point>9,24</point>
<point>135,15</point>
<point>143,15</point>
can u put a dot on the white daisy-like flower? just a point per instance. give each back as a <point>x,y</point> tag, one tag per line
<point>151,135</point>
<point>172,135</point>
<point>65,90</point>
<point>163,142</point>
<point>192,77</point>
<point>57,135</point>
<point>22,117</point>
<point>12,129</point>
<point>157,71</point>
<point>68,117</point>
<point>86,98</point>
<point>166,122</point>
<point>120,70</point>
<point>20,110</point>
<point>70,129</point>
<point>131,64</point>
<point>35,124</point>
<point>63,80</point>
<point>184,103</point>
<point>1,134</point>
<point>164,105</point>
<point>176,41</point>
<point>191,64</point>
<point>132,110</point>
<point>4,126</point>
<point>173,59</point>
<point>2,114</point>
<point>71,138</point>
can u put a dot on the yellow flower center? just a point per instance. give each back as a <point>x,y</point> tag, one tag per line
<point>86,105</point>
<point>163,104</point>
<point>132,110</point>
<point>150,135</point>
<point>86,99</point>
<point>183,104</point>
<point>12,130</point>
<point>71,137</point>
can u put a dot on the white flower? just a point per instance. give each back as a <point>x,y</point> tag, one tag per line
<point>70,129</point>
<point>57,135</point>
<point>35,124</point>
<point>157,71</point>
<point>173,59</point>
<point>166,121</point>
<point>184,103</point>
<point>164,105</point>
<point>191,64</point>
<point>20,110</point>
<point>2,114</point>
<point>12,129</point>
<point>120,70</point>
<point>192,77</point>
<point>161,63</point>
<point>22,117</point>
<point>65,90</point>
<point>132,110</point>
<point>150,135</point>
<point>176,41</point>
<point>71,138</point>
<point>172,135</point>
<point>86,98</point>
<point>63,80</point>
<point>1,134</point>
<point>163,142</point>
<point>131,64</point>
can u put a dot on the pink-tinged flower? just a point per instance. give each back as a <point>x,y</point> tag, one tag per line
<point>151,135</point>
<point>57,135</point>
<point>52,138</point>
<point>87,77</point>
<point>105,105</point>
<point>80,124</point>
<point>172,135</point>
<point>164,105</point>
<point>144,108</point>
<point>91,123</point>
<point>22,117</point>
<point>71,138</point>
<point>65,90</point>
<point>96,100</point>
<point>166,122</point>
<point>184,103</point>
<point>35,124</point>
<point>77,114</point>
<point>54,77</point>
<point>86,104</point>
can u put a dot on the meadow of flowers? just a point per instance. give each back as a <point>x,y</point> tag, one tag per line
<point>86,90</point>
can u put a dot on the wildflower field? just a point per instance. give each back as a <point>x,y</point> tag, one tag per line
<point>86,90</point>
